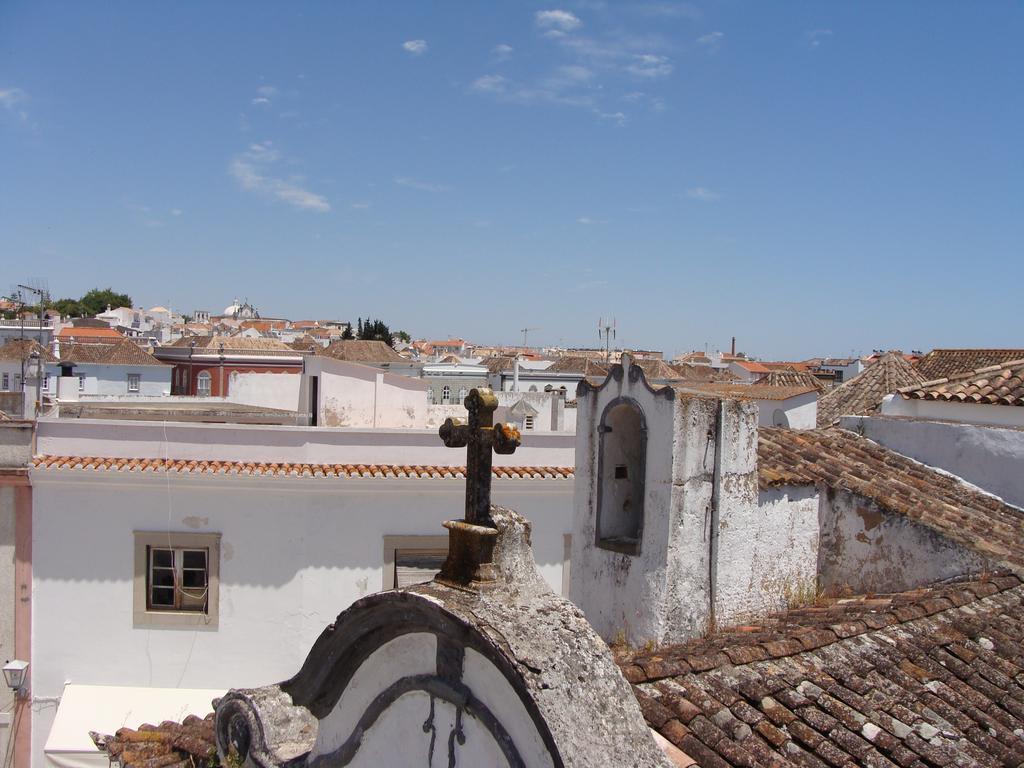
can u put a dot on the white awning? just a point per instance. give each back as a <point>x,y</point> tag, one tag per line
<point>105,708</point>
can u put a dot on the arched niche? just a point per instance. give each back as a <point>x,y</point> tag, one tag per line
<point>622,469</point>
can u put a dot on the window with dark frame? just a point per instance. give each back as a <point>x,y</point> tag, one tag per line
<point>177,579</point>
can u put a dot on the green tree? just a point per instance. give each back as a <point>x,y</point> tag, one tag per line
<point>403,336</point>
<point>376,330</point>
<point>68,307</point>
<point>347,334</point>
<point>96,301</point>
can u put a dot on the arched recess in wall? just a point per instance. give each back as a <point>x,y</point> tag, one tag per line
<point>621,475</point>
<point>779,418</point>
<point>203,384</point>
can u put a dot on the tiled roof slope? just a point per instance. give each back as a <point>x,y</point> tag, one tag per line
<point>926,678</point>
<point>21,349</point>
<point>846,461</point>
<point>863,394</point>
<point>945,363</point>
<point>781,377</point>
<point>692,372</point>
<point>743,391</point>
<point>124,353</point>
<point>233,343</point>
<point>363,351</point>
<point>284,469</point>
<point>189,744</point>
<point>573,364</point>
<point>994,385</point>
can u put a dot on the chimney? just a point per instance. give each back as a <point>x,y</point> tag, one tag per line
<point>733,346</point>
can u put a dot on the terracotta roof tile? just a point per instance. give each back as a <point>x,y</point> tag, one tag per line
<point>788,377</point>
<point>946,363</point>
<point>126,352</point>
<point>362,351</point>
<point>284,469</point>
<point>926,677</point>
<point>573,364</point>
<point>745,391</point>
<point>233,343</point>
<point>189,744</point>
<point>1001,384</point>
<point>18,349</point>
<point>863,394</point>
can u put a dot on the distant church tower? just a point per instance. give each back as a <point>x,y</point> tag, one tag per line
<point>663,479</point>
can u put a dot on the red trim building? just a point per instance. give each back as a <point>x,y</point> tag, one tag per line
<point>203,364</point>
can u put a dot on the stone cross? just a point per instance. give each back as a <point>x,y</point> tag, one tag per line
<point>480,436</point>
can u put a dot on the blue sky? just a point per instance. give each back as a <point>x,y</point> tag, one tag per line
<point>812,177</point>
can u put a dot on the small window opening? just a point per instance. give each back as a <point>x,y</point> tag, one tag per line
<point>621,470</point>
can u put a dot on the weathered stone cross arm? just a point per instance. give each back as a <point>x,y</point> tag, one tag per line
<point>480,436</point>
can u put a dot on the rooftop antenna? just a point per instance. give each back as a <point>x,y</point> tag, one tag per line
<point>39,288</point>
<point>607,332</point>
<point>525,331</point>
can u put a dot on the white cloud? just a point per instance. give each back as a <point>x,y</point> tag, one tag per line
<point>615,117</point>
<point>415,47</point>
<point>490,84</point>
<point>584,220</point>
<point>361,206</point>
<point>815,37</point>
<point>670,10</point>
<point>502,51</point>
<point>422,186</point>
<point>250,169</point>
<point>10,98</point>
<point>176,211</point>
<point>265,94</point>
<point>649,65</point>
<point>702,193</point>
<point>711,41</point>
<point>557,21</point>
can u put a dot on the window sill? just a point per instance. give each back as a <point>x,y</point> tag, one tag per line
<point>174,620</point>
<point>620,544</point>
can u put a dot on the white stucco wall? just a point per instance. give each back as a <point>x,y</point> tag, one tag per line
<point>866,549</point>
<point>294,553</point>
<point>241,442</point>
<point>990,457</point>
<point>354,395</point>
<point>267,390</point>
<point>154,380</point>
<point>801,412</point>
<point>969,413</point>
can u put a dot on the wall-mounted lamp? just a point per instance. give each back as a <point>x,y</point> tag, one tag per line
<point>16,676</point>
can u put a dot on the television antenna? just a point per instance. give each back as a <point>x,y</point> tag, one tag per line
<point>606,331</point>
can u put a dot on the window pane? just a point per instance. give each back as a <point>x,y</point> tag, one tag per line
<point>163,596</point>
<point>194,579</point>
<point>194,558</point>
<point>162,577</point>
<point>163,558</point>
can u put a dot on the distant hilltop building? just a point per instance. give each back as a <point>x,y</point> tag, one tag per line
<point>239,311</point>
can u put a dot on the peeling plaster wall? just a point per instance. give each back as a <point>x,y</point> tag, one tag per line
<point>866,549</point>
<point>989,457</point>
<point>624,597</point>
<point>267,390</point>
<point>771,558</point>
<point>354,395</point>
<point>294,553</point>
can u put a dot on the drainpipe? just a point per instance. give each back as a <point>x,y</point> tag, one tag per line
<point>515,374</point>
<point>716,491</point>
